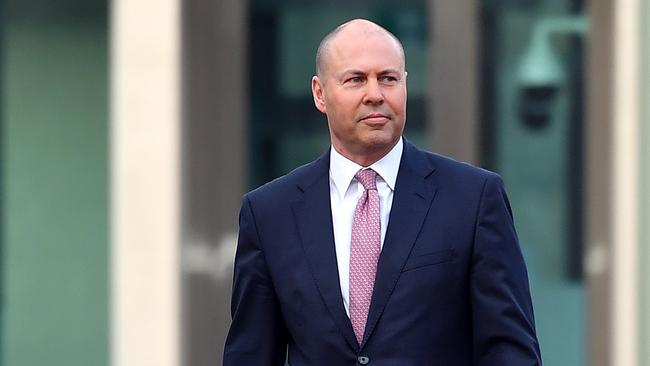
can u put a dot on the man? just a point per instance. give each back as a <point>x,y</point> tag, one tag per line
<point>377,253</point>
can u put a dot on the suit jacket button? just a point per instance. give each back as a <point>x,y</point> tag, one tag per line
<point>363,360</point>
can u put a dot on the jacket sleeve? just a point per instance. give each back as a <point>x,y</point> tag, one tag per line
<point>257,334</point>
<point>502,311</point>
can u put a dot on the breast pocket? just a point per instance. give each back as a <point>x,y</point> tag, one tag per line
<point>430,259</point>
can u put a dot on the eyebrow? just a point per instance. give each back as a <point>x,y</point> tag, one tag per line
<point>360,72</point>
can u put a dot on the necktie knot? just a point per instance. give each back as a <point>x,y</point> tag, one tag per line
<point>367,178</point>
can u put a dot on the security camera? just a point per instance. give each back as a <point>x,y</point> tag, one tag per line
<point>541,76</point>
<point>536,104</point>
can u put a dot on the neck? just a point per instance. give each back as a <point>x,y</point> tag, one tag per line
<point>364,158</point>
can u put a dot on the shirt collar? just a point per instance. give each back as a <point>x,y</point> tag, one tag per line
<point>342,170</point>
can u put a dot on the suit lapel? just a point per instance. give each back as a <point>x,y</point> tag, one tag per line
<point>313,214</point>
<point>411,201</point>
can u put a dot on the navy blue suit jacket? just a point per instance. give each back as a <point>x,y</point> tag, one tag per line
<point>451,286</point>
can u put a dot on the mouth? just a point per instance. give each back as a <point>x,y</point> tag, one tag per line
<point>375,119</point>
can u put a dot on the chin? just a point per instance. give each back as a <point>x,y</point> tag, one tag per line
<point>379,141</point>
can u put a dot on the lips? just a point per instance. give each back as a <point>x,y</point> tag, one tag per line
<point>375,118</point>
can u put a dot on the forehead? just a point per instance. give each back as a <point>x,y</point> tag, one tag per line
<point>364,49</point>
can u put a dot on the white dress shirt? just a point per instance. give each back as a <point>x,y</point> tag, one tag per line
<point>345,191</point>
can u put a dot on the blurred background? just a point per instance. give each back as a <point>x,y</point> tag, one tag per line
<point>129,131</point>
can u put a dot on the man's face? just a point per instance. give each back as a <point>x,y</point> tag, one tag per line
<point>362,90</point>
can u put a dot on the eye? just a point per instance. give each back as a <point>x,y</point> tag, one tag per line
<point>388,79</point>
<point>354,80</point>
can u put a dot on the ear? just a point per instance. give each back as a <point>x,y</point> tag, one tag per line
<point>317,93</point>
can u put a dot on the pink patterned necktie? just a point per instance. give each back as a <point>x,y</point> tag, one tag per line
<point>364,251</point>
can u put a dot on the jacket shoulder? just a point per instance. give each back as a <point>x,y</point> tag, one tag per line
<point>448,165</point>
<point>288,185</point>
<point>454,173</point>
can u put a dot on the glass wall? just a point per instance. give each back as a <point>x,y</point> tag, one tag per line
<point>53,183</point>
<point>532,100</point>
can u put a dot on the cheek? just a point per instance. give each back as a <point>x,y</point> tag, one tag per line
<point>398,101</point>
<point>342,107</point>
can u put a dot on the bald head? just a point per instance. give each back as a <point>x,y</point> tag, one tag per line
<point>355,27</point>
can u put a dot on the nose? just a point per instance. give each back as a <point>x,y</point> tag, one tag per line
<point>374,94</point>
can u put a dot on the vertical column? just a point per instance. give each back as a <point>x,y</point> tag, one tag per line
<point>625,182</point>
<point>598,170</point>
<point>145,187</point>
<point>214,111</point>
<point>645,195</point>
<point>454,79</point>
